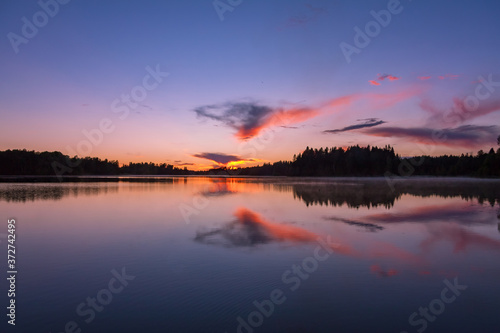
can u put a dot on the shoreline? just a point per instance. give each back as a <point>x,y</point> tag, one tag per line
<point>171,178</point>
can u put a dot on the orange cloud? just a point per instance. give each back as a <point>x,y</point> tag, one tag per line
<point>250,119</point>
<point>294,116</point>
<point>424,77</point>
<point>277,231</point>
<point>280,232</point>
<point>278,118</point>
<point>375,83</point>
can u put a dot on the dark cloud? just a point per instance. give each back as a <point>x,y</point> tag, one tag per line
<point>236,115</point>
<point>370,122</point>
<point>240,116</point>
<point>467,135</point>
<point>219,158</point>
<point>235,234</point>
<point>250,118</point>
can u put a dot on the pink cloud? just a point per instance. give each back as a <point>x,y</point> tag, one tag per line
<point>382,77</point>
<point>249,119</point>
<point>387,76</point>
<point>449,76</point>
<point>424,77</point>
<point>381,101</point>
<point>458,112</point>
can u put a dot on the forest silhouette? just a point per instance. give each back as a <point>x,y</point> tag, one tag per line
<point>323,162</point>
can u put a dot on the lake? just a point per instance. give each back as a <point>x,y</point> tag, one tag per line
<point>215,254</point>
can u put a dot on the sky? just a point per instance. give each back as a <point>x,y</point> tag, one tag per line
<point>206,83</point>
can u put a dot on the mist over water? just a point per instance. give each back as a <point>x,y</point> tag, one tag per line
<point>345,254</point>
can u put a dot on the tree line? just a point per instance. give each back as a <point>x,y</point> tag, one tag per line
<point>322,162</point>
<point>373,161</point>
<point>23,162</point>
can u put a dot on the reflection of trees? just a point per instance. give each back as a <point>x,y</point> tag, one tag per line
<point>218,188</point>
<point>32,192</point>
<point>42,188</point>
<point>372,193</point>
<point>340,194</point>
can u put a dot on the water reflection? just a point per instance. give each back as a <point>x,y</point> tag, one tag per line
<point>367,226</point>
<point>461,213</point>
<point>459,237</point>
<point>220,187</point>
<point>350,192</point>
<point>444,225</point>
<point>373,193</point>
<point>378,270</point>
<point>250,229</point>
<point>33,192</point>
<point>390,251</point>
<point>25,192</point>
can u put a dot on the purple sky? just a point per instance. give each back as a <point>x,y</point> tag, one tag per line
<point>193,83</point>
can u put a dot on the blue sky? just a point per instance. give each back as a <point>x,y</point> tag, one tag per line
<point>272,67</point>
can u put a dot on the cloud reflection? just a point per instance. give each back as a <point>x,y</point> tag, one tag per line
<point>251,229</point>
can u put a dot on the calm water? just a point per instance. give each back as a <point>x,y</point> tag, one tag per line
<point>255,255</point>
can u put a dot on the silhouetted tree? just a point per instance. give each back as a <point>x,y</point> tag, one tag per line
<point>323,162</point>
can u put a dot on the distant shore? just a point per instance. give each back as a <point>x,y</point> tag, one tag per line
<point>171,178</point>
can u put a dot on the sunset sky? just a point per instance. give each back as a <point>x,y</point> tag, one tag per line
<point>197,83</point>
